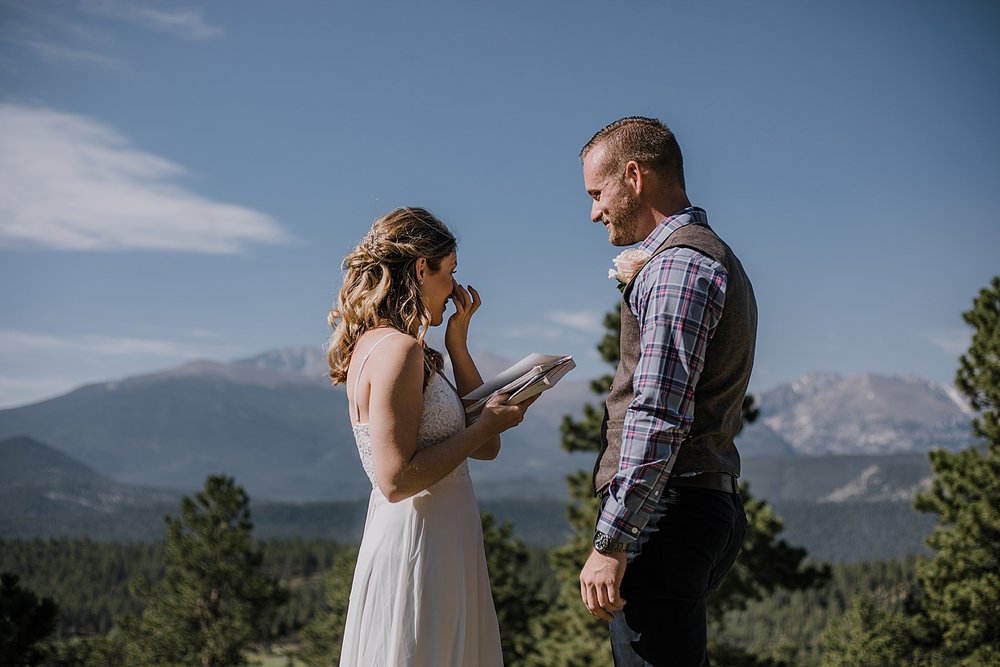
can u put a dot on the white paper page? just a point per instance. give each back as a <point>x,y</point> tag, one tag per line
<point>507,376</point>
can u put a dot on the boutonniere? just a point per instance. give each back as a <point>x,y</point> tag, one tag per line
<point>627,264</point>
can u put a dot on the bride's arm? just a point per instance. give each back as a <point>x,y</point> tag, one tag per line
<point>394,413</point>
<point>467,376</point>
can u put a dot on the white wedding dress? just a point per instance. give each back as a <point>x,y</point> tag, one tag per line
<point>421,593</point>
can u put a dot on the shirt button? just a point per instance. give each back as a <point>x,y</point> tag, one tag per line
<point>635,530</point>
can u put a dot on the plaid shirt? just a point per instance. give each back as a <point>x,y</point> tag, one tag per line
<point>677,298</point>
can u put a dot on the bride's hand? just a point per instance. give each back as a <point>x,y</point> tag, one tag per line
<point>466,304</point>
<point>498,416</point>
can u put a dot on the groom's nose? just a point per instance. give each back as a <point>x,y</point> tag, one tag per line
<point>595,212</point>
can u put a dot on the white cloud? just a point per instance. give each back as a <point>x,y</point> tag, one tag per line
<point>587,321</point>
<point>57,52</point>
<point>183,23</point>
<point>954,343</point>
<point>36,365</point>
<point>72,183</point>
<point>13,342</point>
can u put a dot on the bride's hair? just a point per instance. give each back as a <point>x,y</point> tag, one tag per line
<point>381,288</point>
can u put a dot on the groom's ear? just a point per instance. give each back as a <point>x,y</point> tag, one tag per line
<point>634,176</point>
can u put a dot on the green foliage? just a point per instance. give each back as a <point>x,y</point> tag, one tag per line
<point>99,651</point>
<point>24,623</point>
<point>90,580</point>
<point>955,619</point>
<point>871,636</point>
<point>214,599</point>
<point>979,368</point>
<point>786,626</point>
<point>766,562</point>
<point>566,635</point>
<point>324,635</point>
<point>962,581</point>
<point>517,596</point>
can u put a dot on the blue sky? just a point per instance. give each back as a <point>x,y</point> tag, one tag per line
<point>181,180</point>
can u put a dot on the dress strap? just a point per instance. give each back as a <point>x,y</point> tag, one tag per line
<point>364,361</point>
<point>453,387</point>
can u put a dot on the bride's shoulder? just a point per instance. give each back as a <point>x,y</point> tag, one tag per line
<point>392,346</point>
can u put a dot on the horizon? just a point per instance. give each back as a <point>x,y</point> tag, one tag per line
<point>183,183</point>
<point>495,359</point>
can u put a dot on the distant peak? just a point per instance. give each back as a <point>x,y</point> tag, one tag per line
<point>302,360</point>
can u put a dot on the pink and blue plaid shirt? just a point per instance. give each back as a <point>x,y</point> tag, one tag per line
<point>677,297</point>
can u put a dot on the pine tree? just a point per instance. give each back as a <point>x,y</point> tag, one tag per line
<point>961,582</point>
<point>324,635</point>
<point>214,600</point>
<point>516,598</point>
<point>25,622</point>
<point>954,617</point>
<point>567,636</point>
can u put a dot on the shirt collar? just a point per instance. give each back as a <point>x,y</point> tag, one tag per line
<point>670,224</point>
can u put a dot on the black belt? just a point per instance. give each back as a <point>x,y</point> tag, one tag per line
<point>717,481</point>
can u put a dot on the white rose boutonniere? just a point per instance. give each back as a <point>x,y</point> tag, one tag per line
<point>627,264</point>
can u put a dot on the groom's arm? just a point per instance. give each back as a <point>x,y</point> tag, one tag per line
<point>678,301</point>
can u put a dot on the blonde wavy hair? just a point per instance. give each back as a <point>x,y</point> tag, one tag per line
<point>381,288</point>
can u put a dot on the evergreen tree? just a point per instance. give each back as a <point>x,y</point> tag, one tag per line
<point>516,598</point>
<point>961,582</point>
<point>869,635</point>
<point>324,635</point>
<point>567,636</point>
<point>24,623</point>
<point>97,651</point>
<point>214,599</point>
<point>954,617</point>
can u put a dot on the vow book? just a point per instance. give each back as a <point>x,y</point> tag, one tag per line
<point>528,377</point>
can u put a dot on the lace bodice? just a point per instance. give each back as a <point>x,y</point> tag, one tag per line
<point>443,416</point>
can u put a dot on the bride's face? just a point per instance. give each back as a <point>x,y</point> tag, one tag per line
<point>437,286</point>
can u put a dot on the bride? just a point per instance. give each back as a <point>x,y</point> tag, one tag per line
<point>421,593</point>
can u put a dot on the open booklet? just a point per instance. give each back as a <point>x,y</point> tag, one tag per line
<point>528,377</point>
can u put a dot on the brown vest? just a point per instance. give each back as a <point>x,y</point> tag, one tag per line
<point>719,393</point>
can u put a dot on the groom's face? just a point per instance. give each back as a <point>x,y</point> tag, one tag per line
<point>615,205</point>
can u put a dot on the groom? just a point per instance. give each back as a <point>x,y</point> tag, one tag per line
<point>671,520</point>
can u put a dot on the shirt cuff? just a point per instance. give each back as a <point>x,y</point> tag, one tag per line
<point>620,523</point>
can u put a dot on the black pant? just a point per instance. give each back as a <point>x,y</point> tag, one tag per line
<point>689,551</point>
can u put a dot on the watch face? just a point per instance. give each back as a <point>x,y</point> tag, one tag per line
<point>604,544</point>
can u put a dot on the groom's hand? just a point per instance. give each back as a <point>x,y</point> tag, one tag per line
<point>600,582</point>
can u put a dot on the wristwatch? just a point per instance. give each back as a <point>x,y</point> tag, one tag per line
<point>605,545</point>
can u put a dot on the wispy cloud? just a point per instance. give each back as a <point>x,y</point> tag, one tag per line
<point>14,342</point>
<point>57,52</point>
<point>35,365</point>
<point>587,321</point>
<point>183,23</point>
<point>954,342</point>
<point>72,183</point>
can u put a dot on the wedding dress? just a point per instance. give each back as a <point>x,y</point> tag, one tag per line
<point>421,593</point>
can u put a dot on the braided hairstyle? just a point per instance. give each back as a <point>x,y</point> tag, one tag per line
<point>381,288</point>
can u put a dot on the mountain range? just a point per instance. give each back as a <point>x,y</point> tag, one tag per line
<point>275,424</point>
<point>838,457</point>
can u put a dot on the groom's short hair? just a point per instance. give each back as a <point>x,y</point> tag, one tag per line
<point>644,140</point>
